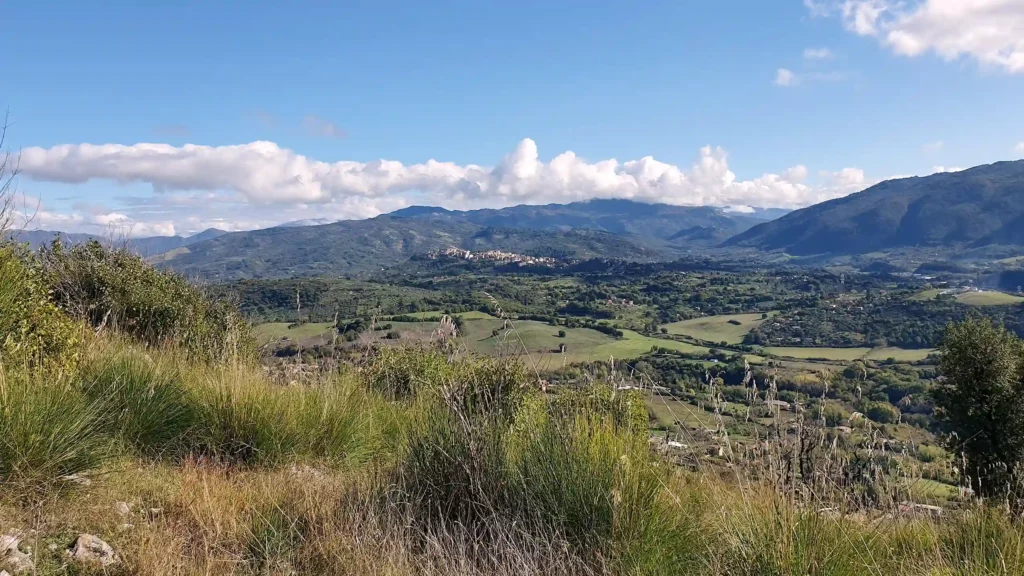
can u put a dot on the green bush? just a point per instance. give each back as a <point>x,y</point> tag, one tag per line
<point>115,288</point>
<point>33,332</point>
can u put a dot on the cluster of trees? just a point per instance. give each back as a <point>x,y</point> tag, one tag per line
<point>889,320</point>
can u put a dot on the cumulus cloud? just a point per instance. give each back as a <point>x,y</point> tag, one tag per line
<point>1019,148</point>
<point>795,174</point>
<point>940,169</point>
<point>316,126</point>
<point>262,173</point>
<point>988,31</point>
<point>817,54</point>
<point>785,77</point>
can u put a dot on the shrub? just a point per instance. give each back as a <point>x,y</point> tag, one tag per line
<point>110,287</point>
<point>982,400</point>
<point>834,414</point>
<point>883,413</point>
<point>33,332</point>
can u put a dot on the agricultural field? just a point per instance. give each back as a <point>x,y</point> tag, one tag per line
<point>538,342</point>
<point>849,354</point>
<point>988,298</point>
<point>973,298</point>
<point>926,295</point>
<point>666,411</point>
<point>470,315</point>
<point>728,328</point>
<point>900,354</point>
<point>271,331</point>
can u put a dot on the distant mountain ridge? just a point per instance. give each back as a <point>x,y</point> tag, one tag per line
<point>662,221</point>
<point>620,229</point>
<point>980,206</point>
<point>145,246</point>
<point>365,246</point>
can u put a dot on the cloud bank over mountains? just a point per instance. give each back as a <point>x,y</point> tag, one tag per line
<point>262,177</point>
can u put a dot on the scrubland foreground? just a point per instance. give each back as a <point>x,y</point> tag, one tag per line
<point>132,411</point>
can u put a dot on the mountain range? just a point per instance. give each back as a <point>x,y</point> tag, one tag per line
<point>145,246</point>
<point>599,228</point>
<point>958,212</point>
<point>980,206</point>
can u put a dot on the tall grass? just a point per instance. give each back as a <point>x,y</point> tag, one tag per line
<point>147,404</point>
<point>48,431</point>
<point>469,469</point>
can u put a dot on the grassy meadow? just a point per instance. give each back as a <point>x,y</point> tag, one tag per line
<point>728,328</point>
<point>989,298</point>
<point>848,354</point>
<point>982,298</point>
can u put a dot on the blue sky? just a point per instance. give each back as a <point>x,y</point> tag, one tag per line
<point>262,112</point>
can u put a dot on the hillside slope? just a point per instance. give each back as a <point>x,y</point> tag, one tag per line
<point>976,207</point>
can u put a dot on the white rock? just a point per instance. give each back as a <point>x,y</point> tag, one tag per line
<point>91,549</point>
<point>76,479</point>
<point>123,508</point>
<point>12,557</point>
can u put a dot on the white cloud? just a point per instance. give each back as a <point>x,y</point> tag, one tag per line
<point>785,77</point>
<point>989,31</point>
<point>933,146</point>
<point>261,173</point>
<point>841,183</point>
<point>939,169</point>
<point>795,174</point>
<point>817,54</point>
<point>1019,148</point>
<point>740,209</point>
